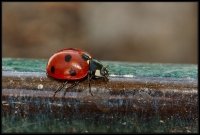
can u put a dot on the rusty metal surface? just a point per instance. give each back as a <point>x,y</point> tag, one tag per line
<point>29,93</point>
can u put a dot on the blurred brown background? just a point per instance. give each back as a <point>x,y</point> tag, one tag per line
<point>126,31</point>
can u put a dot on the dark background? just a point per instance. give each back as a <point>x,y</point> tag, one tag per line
<point>164,32</point>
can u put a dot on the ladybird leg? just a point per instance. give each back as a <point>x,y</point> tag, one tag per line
<point>60,88</point>
<point>105,79</point>
<point>89,79</point>
<point>73,85</point>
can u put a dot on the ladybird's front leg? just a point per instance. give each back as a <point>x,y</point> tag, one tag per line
<point>105,79</point>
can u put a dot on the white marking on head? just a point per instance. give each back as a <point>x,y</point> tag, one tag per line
<point>97,73</point>
<point>88,61</point>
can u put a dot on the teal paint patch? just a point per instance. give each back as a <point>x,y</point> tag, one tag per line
<point>187,71</point>
<point>24,65</point>
<point>120,69</point>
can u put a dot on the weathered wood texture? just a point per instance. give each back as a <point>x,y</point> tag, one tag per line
<point>143,88</point>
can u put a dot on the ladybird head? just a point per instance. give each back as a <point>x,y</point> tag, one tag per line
<point>104,72</point>
<point>98,70</point>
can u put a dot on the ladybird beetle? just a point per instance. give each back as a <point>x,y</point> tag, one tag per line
<point>74,65</point>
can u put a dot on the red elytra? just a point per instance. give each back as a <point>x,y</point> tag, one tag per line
<point>68,64</point>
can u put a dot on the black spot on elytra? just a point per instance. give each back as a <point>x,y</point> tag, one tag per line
<point>85,57</point>
<point>52,69</point>
<point>72,72</point>
<point>68,58</point>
